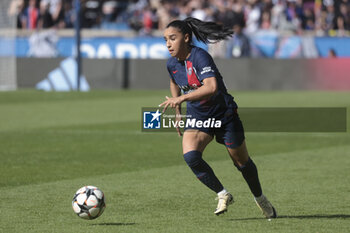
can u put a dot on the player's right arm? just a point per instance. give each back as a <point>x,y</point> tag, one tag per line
<point>176,92</point>
<point>174,89</point>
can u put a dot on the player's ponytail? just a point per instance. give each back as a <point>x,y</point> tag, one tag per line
<point>207,32</point>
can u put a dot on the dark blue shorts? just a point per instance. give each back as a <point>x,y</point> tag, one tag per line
<point>231,132</point>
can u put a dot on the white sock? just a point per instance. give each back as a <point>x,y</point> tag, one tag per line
<point>259,198</point>
<point>222,192</point>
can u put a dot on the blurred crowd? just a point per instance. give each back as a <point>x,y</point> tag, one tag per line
<point>245,17</point>
<point>298,16</point>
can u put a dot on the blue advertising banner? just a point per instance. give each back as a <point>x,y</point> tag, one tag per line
<point>341,46</point>
<point>263,44</point>
<point>98,47</point>
<point>105,47</point>
<point>7,47</point>
<point>289,47</point>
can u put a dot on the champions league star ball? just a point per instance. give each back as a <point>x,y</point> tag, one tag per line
<point>89,202</point>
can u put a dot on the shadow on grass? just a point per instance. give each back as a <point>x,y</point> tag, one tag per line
<point>313,216</point>
<point>114,224</point>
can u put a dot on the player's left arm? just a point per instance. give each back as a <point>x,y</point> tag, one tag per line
<point>204,65</point>
<point>208,89</point>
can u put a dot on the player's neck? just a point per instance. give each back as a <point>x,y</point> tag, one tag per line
<point>186,54</point>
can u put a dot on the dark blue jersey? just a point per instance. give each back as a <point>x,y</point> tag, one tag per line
<point>189,75</point>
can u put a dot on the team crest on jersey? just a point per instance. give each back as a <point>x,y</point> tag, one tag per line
<point>189,71</point>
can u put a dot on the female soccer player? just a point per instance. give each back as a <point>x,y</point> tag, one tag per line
<point>194,78</point>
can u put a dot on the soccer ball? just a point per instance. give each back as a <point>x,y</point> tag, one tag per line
<point>89,202</point>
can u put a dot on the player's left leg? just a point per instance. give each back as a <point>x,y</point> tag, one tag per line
<point>194,143</point>
<point>246,166</point>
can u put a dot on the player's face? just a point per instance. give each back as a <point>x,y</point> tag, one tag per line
<point>176,42</point>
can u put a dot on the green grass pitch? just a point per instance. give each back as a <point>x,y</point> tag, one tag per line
<point>51,144</point>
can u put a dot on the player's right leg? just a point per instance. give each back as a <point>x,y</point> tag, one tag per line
<point>232,136</point>
<point>193,144</point>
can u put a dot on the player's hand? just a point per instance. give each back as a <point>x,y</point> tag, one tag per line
<point>172,102</point>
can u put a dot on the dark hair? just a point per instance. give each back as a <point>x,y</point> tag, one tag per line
<point>207,32</point>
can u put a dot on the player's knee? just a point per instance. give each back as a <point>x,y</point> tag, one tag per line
<point>193,158</point>
<point>247,165</point>
<point>237,166</point>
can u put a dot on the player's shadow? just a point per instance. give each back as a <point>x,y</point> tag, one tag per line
<point>312,216</point>
<point>114,224</point>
